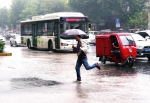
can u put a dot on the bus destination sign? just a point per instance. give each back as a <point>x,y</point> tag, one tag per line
<point>75,19</point>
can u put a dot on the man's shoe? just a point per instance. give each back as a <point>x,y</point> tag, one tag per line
<point>79,79</point>
<point>98,66</point>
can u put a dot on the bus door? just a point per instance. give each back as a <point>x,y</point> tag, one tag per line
<point>56,33</point>
<point>34,36</point>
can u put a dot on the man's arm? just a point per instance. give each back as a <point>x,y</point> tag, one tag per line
<point>74,47</point>
<point>114,46</point>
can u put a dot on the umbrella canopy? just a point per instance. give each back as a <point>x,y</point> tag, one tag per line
<point>73,32</point>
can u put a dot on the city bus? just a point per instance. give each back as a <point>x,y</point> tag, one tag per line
<point>44,31</point>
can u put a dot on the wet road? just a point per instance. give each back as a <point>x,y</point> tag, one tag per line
<point>38,76</point>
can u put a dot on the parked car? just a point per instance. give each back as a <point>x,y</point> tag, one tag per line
<point>143,46</point>
<point>15,40</point>
<point>135,30</point>
<point>2,39</point>
<point>144,33</point>
<point>7,35</point>
<point>92,35</point>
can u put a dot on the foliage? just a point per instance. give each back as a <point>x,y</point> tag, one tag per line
<point>50,6</point>
<point>16,11</point>
<point>98,10</point>
<point>31,9</point>
<point>4,15</point>
<point>1,46</point>
<point>138,20</point>
<point>25,9</point>
<point>41,7</point>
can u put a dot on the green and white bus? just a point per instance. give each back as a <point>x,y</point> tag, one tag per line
<point>44,31</point>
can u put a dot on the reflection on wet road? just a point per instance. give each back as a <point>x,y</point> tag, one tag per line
<point>38,76</point>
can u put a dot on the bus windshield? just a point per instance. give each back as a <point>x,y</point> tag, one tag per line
<point>82,26</point>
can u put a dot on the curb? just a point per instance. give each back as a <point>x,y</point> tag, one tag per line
<point>5,54</point>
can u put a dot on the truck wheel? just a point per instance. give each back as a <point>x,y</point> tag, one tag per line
<point>50,46</point>
<point>148,58</point>
<point>130,62</point>
<point>103,60</point>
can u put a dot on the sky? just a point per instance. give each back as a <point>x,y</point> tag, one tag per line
<point>6,3</point>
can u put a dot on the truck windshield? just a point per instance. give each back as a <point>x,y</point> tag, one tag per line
<point>127,40</point>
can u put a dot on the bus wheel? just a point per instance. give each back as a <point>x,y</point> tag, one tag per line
<point>29,44</point>
<point>50,46</point>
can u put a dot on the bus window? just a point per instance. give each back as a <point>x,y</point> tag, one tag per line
<point>50,27</point>
<point>30,29</point>
<point>22,29</point>
<point>39,29</point>
<point>77,27</point>
<point>83,27</point>
<point>26,29</point>
<point>71,26</point>
<point>44,29</point>
<point>61,29</point>
<point>61,25</point>
<point>67,26</point>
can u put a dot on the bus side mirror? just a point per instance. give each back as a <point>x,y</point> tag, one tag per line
<point>89,25</point>
<point>61,25</point>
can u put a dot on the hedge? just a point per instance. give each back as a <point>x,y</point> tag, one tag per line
<point>1,46</point>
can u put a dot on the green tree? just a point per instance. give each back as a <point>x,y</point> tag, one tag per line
<point>101,9</point>
<point>41,7</point>
<point>4,12</point>
<point>50,6</point>
<point>15,12</point>
<point>138,20</point>
<point>31,9</point>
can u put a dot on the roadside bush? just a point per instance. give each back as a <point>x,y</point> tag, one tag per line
<point>1,46</point>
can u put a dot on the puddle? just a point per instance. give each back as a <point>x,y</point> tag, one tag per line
<point>32,82</point>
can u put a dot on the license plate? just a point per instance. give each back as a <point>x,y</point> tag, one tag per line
<point>147,49</point>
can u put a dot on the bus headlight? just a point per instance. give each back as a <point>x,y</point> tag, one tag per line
<point>64,44</point>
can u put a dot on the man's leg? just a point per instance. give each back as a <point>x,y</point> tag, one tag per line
<point>78,65</point>
<point>117,54</point>
<point>86,64</point>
